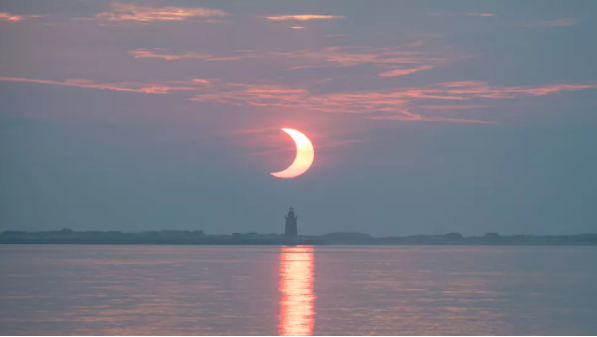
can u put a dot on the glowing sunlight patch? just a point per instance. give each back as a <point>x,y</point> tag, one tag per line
<point>304,155</point>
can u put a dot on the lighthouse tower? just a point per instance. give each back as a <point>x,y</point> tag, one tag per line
<point>291,228</point>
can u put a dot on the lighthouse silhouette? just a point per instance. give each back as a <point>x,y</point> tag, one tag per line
<point>291,229</point>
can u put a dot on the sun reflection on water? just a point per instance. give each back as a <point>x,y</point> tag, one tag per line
<point>297,312</point>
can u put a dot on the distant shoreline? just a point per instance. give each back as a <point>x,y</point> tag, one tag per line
<point>197,237</point>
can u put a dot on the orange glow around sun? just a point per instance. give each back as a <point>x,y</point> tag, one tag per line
<point>297,310</point>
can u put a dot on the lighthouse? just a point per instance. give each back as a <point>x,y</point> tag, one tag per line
<point>291,229</point>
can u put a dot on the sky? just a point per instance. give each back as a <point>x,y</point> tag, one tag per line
<point>427,117</point>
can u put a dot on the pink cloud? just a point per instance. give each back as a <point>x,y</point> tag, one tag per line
<point>420,118</point>
<point>145,13</point>
<point>398,102</point>
<point>283,96</point>
<point>401,72</point>
<point>560,22</point>
<point>303,17</point>
<point>12,17</point>
<point>392,59</point>
<point>343,56</point>
<point>450,107</point>
<point>146,88</point>
<point>355,55</point>
<point>542,91</point>
<point>462,84</point>
<point>481,89</point>
<point>480,14</point>
<point>157,53</point>
<point>459,14</point>
<point>407,115</point>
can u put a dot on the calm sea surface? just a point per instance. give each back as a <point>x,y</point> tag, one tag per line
<point>228,290</point>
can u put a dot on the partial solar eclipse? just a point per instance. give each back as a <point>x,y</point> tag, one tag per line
<point>304,156</point>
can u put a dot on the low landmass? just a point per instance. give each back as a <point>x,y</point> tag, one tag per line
<point>198,237</point>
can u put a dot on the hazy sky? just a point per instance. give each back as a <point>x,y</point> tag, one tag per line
<point>426,116</point>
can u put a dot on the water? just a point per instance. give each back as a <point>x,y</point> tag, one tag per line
<point>228,290</point>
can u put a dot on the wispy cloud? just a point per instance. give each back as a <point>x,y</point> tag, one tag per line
<point>451,107</point>
<point>297,27</point>
<point>284,96</point>
<point>393,104</point>
<point>408,116</point>
<point>396,104</point>
<point>394,100</point>
<point>403,71</point>
<point>355,55</point>
<point>397,61</point>
<point>419,118</point>
<point>460,14</point>
<point>483,90</point>
<point>213,90</point>
<point>303,17</point>
<point>173,55</point>
<point>480,14</point>
<point>560,22</point>
<point>13,17</point>
<point>147,88</point>
<point>134,12</point>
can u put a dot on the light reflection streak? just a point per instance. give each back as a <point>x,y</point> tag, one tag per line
<point>297,309</point>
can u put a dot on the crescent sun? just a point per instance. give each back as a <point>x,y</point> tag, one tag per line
<point>304,155</point>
